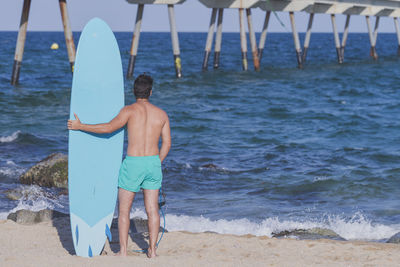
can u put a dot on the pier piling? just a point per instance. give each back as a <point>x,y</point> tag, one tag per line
<point>175,41</point>
<point>371,34</point>
<point>253,41</point>
<point>19,49</point>
<point>135,41</point>
<point>344,36</point>
<point>307,38</point>
<point>375,54</point>
<point>296,40</point>
<point>209,41</point>
<point>218,38</point>
<point>243,40</point>
<point>263,35</point>
<point>336,38</point>
<point>69,39</point>
<point>396,26</point>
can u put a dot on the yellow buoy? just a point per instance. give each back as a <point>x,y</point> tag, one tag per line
<point>54,46</point>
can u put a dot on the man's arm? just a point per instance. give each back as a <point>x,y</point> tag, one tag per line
<point>118,122</point>
<point>166,140</point>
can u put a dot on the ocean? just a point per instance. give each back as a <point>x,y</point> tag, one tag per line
<point>252,152</point>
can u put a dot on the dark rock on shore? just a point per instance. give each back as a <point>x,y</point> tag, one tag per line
<point>50,172</point>
<point>395,239</point>
<point>313,233</point>
<point>29,217</point>
<point>13,194</point>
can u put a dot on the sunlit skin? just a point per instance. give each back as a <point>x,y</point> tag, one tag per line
<point>146,123</point>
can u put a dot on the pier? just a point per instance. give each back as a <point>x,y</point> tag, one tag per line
<point>19,48</point>
<point>366,8</point>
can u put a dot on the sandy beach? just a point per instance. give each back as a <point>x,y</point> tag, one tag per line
<point>49,244</point>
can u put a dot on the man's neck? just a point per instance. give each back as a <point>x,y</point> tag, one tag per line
<point>142,100</point>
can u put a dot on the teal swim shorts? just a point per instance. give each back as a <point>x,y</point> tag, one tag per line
<point>140,172</point>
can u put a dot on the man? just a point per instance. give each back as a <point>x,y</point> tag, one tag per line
<point>141,168</point>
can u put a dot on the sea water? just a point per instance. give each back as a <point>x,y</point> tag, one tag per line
<point>252,152</point>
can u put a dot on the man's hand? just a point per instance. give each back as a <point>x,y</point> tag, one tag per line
<point>74,124</point>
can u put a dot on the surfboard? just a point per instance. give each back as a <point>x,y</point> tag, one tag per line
<point>94,160</point>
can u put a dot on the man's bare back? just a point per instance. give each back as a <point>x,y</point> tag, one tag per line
<point>145,126</point>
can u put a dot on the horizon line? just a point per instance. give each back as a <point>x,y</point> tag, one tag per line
<point>289,32</point>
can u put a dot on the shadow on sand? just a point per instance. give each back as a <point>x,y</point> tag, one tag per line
<point>138,234</point>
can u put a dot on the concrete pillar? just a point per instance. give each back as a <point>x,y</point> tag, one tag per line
<point>336,37</point>
<point>396,26</point>
<point>296,40</point>
<point>19,48</point>
<point>210,37</point>
<point>175,41</point>
<point>69,39</point>
<point>253,41</point>
<point>243,40</point>
<point>135,41</point>
<point>263,35</point>
<point>218,38</point>
<point>373,53</point>
<point>344,37</point>
<point>307,38</point>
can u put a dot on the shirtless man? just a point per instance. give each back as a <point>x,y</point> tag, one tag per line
<point>141,168</point>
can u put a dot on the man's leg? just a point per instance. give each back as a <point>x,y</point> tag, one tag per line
<point>125,199</point>
<point>151,204</point>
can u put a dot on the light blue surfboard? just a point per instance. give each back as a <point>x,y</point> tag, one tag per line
<point>94,160</point>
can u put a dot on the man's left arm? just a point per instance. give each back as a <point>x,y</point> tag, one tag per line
<point>102,128</point>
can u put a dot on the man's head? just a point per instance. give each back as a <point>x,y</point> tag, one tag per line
<point>142,87</point>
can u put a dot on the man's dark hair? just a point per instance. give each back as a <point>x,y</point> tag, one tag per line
<point>143,85</point>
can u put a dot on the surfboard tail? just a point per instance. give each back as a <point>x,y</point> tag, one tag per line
<point>89,240</point>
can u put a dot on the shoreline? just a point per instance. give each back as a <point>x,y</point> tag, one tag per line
<point>48,244</point>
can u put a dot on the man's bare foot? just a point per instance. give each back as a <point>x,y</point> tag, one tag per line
<point>120,254</point>
<point>151,253</point>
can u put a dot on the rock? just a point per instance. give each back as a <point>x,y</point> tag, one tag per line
<point>313,233</point>
<point>394,239</point>
<point>50,172</point>
<point>13,194</point>
<point>28,217</point>
<point>209,166</point>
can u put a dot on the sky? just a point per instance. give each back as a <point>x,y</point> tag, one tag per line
<point>191,16</point>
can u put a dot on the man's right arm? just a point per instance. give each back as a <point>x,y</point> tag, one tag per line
<point>102,128</point>
<point>166,140</point>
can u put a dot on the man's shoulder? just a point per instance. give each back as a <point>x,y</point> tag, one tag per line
<point>159,110</point>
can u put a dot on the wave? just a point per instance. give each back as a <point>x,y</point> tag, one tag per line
<point>11,170</point>
<point>26,138</point>
<point>37,198</point>
<point>10,138</point>
<point>358,227</point>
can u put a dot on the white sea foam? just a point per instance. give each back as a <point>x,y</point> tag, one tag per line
<point>35,198</point>
<point>10,138</point>
<point>358,227</point>
<point>12,169</point>
<point>188,166</point>
<point>355,228</point>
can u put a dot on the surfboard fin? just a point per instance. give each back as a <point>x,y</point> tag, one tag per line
<point>108,233</point>
<point>90,252</point>
<point>76,235</point>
